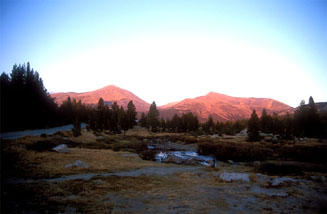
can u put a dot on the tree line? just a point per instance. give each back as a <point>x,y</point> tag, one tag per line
<point>26,104</point>
<point>305,122</point>
<point>99,118</point>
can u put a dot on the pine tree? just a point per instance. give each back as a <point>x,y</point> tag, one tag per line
<point>313,123</point>
<point>107,116</point>
<point>265,122</point>
<point>143,120</point>
<point>163,125</point>
<point>114,119</point>
<point>131,114</point>
<point>175,123</point>
<point>209,126</point>
<point>77,128</point>
<point>123,120</point>
<point>153,118</point>
<point>92,120</point>
<point>253,127</point>
<point>300,120</point>
<point>100,115</point>
<point>287,127</point>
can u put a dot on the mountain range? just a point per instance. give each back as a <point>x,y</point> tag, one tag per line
<point>219,106</point>
<point>109,93</point>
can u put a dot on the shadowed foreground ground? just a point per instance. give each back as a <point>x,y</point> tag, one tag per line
<point>121,182</point>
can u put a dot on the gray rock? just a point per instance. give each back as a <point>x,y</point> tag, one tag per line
<point>230,161</point>
<point>274,139</point>
<point>62,148</point>
<point>229,177</point>
<point>282,181</point>
<point>314,178</point>
<point>244,133</point>
<point>78,163</point>
<point>256,164</point>
<point>269,192</point>
<point>262,178</point>
<point>318,178</point>
<point>214,136</point>
<point>173,159</point>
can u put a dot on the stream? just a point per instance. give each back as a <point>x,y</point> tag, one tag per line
<point>170,152</point>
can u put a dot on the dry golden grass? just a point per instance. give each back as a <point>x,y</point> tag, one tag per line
<point>52,164</point>
<point>36,164</point>
<point>86,137</point>
<point>91,196</point>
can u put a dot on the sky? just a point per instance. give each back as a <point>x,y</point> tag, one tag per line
<point>166,51</point>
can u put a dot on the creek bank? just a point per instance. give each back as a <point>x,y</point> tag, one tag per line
<point>170,152</point>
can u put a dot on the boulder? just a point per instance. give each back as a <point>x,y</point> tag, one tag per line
<point>269,192</point>
<point>282,181</point>
<point>244,133</point>
<point>274,139</point>
<point>256,164</point>
<point>78,163</point>
<point>318,178</point>
<point>173,159</point>
<point>62,148</point>
<point>229,177</point>
<point>214,136</point>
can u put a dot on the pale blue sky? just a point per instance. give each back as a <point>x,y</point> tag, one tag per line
<point>170,50</point>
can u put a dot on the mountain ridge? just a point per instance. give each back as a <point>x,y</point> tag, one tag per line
<point>219,106</point>
<point>223,107</point>
<point>110,93</point>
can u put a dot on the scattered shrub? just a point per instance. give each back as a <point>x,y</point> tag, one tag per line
<point>235,152</point>
<point>317,154</point>
<point>44,135</point>
<point>42,145</point>
<point>148,155</point>
<point>47,145</point>
<point>134,145</point>
<point>189,139</point>
<point>280,168</point>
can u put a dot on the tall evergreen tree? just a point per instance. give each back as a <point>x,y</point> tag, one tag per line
<point>143,120</point>
<point>163,125</point>
<point>287,127</point>
<point>131,114</point>
<point>300,120</point>
<point>209,126</point>
<point>107,116</point>
<point>153,118</point>
<point>114,119</point>
<point>123,120</point>
<point>25,88</point>
<point>313,124</point>
<point>100,115</point>
<point>175,123</point>
<point>265,122</point>
<point>253,127</point>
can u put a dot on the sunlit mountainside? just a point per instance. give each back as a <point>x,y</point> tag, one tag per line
<point>109,93</point>
<point>221,107</point>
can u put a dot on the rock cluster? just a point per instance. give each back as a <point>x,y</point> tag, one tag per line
<point>62,148</point>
